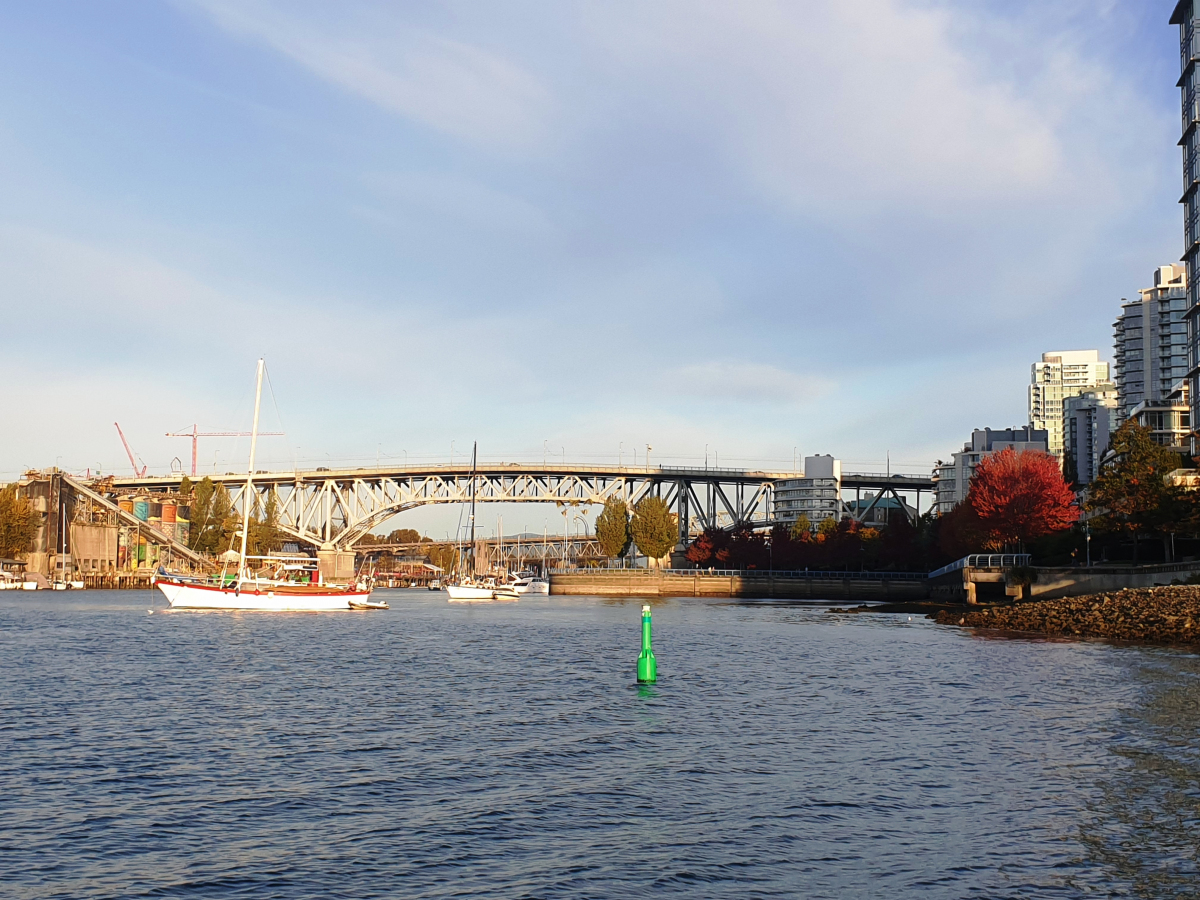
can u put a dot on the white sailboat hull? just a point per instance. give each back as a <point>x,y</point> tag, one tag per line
<point>533,587</point>
<point>195,596</point>
<point>480,592</point>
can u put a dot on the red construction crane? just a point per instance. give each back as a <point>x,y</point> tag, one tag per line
<point>137,473</point>
<point>194,435</point>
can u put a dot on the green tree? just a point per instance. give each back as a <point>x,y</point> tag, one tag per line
<point>801,528</point>
<point>828,527</point>
<point>1131,496</point>
<point>265,536</point>
<point>443,556</point>
<point>654,529</point>
<point>212,518</point>
<point>612,528</point>
<point>18,523</point>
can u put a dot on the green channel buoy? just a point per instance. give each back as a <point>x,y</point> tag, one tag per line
<point>647,667</point>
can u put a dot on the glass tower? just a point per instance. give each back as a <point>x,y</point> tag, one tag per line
<point>1189,87</point>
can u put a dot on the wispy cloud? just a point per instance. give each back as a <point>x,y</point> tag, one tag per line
<point>843,109</point>
<point>747,382</point>
<point>449,85</point>
<point>506,220</point>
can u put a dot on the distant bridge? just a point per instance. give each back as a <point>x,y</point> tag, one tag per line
<point>334,508</point>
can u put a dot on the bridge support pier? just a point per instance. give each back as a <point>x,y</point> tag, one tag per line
<point>336,565</point>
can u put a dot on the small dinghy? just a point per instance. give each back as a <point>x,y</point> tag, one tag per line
<point>368,604</point>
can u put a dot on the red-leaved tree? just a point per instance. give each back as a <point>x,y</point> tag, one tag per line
<point>1018,497</point>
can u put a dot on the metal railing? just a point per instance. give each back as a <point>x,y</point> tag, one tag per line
<point>984,561</point>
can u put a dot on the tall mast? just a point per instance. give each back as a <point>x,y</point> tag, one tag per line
<point>248,497</point>
<point>474,447</point>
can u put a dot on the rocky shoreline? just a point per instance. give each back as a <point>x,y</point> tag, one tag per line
<point>1158,615</point>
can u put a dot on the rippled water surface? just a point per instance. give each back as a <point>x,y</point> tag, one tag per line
<point>439,750</point>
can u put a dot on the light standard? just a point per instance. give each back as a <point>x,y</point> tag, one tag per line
<point>620,453</point>
<point>706,457</point>
<point>1087,527</point>
<point>545,451</point>
<point>583,521</point>
<point>452,453</point>
<point>648,449</point>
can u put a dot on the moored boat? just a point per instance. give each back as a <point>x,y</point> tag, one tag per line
<point>278,584</point>
<point>487,589</point>
<point>528,583</point>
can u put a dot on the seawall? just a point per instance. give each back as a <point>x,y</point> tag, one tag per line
<point>697,583</point>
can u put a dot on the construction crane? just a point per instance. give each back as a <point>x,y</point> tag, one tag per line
<point>196,435</point>
<point>137,473</point>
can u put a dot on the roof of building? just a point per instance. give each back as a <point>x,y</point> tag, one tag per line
<point>1177,15</point>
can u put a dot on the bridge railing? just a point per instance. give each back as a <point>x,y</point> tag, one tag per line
<point>984,561</point>
<point>745,573</point>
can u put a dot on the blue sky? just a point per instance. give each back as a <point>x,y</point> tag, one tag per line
<point>756,226</point>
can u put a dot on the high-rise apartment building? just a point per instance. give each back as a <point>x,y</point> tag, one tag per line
<point>1088,423</point>
<point>1189,94</point>
<point>1059,375</point>
<point>1150,341</point>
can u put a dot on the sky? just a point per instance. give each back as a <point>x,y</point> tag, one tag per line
<point>752,230</point>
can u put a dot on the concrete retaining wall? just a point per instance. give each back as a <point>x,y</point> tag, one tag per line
<point>642,583</point>
<point>1054,583</point>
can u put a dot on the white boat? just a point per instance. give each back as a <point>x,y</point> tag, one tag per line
<point>264,594</point>
<point>528,583</point>
<point>77,585</point>
<point>280,584</point>
<point>487,589</point>
<point>467,588</point>
<point>368,604</point>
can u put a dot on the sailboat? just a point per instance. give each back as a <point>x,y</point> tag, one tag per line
<point>280,583</point>
<point>467,588</point>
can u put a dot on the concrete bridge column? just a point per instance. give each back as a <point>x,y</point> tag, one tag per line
<point>336,565</point>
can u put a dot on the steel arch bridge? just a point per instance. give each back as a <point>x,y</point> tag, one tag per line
<point>332,508</point>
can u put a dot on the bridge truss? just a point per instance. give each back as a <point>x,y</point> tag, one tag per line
<point>333,509</point>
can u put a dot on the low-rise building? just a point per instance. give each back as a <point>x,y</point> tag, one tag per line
<point>1089,421</point>
<point>953,479</point>
<point>1169,420</point>
<point>817,494</point>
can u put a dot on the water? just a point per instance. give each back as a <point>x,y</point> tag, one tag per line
<point>502,750</point>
